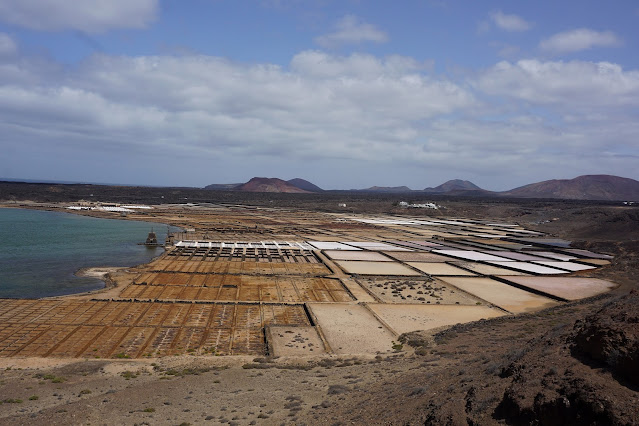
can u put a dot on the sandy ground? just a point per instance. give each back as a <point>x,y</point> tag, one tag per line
<point>352,329</point>
<point>407,318</point>
<point>506,297</point>
<point>115,279</point>
<point>568,288</point>
<point>237,390</point>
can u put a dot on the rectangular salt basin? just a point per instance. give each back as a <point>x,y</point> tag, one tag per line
<point>357,255</point>
<point>554,242</point>
<point>568,266</point>
<point>331,245</point>
<point>362,244</point>
<point>569,288</point>
<point>376,246</point>
<point>529,267</point>
<point>412,245</point>
<point>502,245</point>
<point>474,245</point>
<point>523,257</point>
<point>351,329</point>
<point>450,245</point>
<point>553,255</point>
<point>450,222</point>
<point>484,269</point>
<point>471,255</point>
<point>427,243</point>
<point>589,254</point>
<point>596,262</point>
<point>439,269</point>
<point>489,235</point>
<point>417,257</point>
<point>406,318</point>
<point>524,232</point>
<point>375,268</point>
<point>506,297</point>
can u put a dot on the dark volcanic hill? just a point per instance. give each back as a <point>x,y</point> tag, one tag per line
<point>387,189</point>
<point>222,186</point>
<point>261,184</point>
<point>587,187</point>
<point>305,185</point>
<point>454,185</point>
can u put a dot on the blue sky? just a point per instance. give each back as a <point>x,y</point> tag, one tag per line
<point>346,94</point>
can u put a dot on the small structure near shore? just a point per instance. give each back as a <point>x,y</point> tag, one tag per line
<point>151,239</point>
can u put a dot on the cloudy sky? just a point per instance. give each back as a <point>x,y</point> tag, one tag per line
<point>346,94</point>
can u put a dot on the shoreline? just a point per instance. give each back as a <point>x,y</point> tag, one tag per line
<point>32,205</point>
<point>102,273</point>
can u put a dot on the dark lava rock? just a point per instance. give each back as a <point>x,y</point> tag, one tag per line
<point>611,337</point>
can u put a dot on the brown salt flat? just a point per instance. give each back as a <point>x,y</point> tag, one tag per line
<point>417,257</point>
<point>506,297</point>
<point>484,269</point>
<point>523,257</point>
<point>596,262</point>
<point>569,288</point>
<point>375,268</point>
<point>285,340</point>
<point>351,329</point>
<point>418,290</point>
<point>406,318</point>
<point>439,269</point>
<point>357,255</point>
<point>568,266</point>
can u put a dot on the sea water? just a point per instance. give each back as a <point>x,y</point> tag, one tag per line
<point>40,251</point>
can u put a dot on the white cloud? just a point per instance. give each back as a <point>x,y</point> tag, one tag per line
<point>575,84</point>
<point>89,16</point>
<point>7,45</point>
<point>351,30</point>
<point>356,107</point>
<point>577,40</point>
<point>509,22</point>
<point>210,115</point>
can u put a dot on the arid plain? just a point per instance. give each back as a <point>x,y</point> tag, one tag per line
<point>260,314</point>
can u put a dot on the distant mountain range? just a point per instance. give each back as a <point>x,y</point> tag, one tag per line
<point>588,187</point>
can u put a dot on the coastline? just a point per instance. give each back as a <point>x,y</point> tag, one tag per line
<point>114,278</point>
<point>51,207</point>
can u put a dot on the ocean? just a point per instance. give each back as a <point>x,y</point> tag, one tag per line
<point>40,251</point>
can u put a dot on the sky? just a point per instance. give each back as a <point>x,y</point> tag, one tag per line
<point>344,93</point>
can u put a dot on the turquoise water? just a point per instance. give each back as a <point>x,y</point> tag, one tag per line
<point>40,251</point>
